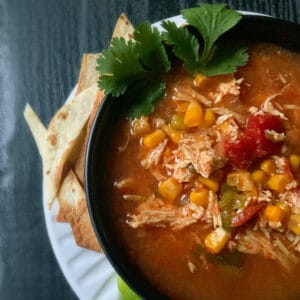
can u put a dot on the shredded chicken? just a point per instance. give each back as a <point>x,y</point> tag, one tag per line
<point>215,211</point>
<point>158,173</point>
<point>183,93</point>
<point>281,163</point>
<point>125,183</point>
<point>268,107</point>
<point>227,88</point>
<point>159,214</point>
<point>183,173</point>
<point>274,136</point>
<point>294,239</point>
<point>282,78</point>
<point>124,146</point>
<point>291,106</point>
<point>227,128</point>
<point>293,199</point>
<point>196,150</point>
<point>157,122</point>
<point>154,155</point>
<point>264,196</point>
<point>223,118</point>
<point>191,266</point>
<point>132,197</point>
<point>283,167</point>
<point>278,226</point>
<point>212,214</point>
<point>256,242</point>
<point>225,111</point>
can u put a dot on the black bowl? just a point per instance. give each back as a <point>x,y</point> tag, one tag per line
<point>250,29</point>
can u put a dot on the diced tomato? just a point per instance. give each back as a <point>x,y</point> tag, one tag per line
<point>253,143</point>
<point>255,130</point>
<point>263,122</point>
<point>240,152</point>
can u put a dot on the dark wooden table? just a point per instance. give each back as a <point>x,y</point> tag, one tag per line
<point>41,43</point>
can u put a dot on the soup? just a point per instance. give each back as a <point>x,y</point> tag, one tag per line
<point>204,192</point>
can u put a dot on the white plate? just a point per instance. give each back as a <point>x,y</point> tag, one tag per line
<point>89,273</point>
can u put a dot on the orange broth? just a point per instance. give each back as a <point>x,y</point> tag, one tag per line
<point>163,254</point>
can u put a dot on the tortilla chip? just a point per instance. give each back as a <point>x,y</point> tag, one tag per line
<point>73,206</point>
<point>60,216</point>
<point>80,162</point>
<point>36,127</point>
<point>88,74</point>
<point>123,28</point>
<point>62,136</point>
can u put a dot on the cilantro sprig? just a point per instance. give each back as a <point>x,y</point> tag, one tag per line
<point>211,21</point>
<point>134,71</point>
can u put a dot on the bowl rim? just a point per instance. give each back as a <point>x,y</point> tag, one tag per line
<point>115,261</point>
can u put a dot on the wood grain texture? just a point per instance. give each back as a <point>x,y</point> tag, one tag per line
<point>41,46</point>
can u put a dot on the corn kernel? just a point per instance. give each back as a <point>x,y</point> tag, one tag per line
<point>154,138</point>
<point>141,126</point>
<point>259,177</point>
<point>210,184</point>
<point>199,79</point>
<point>216,240</point>
<point>294,224</point>
<point>268,166</point>
<point>194,115</point>
<point>294,162</point>
<point>209,118</point>
<point>243,181</point>
<point>274,213</point>
<point>285,207</point>
<point>200,197</point>
<point>172,133</point>
<point>177,122</point>
<point>170,189</point>
<point>278,182</point>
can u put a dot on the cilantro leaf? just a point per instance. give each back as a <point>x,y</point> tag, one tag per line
<point>113,65</point>
<point>152,53</point>
<point>127,69</point>
<point>225,59</point>
<point>211,21</point>
<point>143,95</point>
<point>185,45</point>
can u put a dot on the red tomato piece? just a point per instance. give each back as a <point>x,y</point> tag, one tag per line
<point>263,122</point>
<point>253,143</point>
<point>240,152</point>
<point>255,130</point>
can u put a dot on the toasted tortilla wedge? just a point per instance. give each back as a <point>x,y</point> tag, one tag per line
<point>62,135</point>
<point>88,74</point>
<point>36,127</point>
<point>79,164</point>
<point>73,206</point>
<point>123,28</point>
